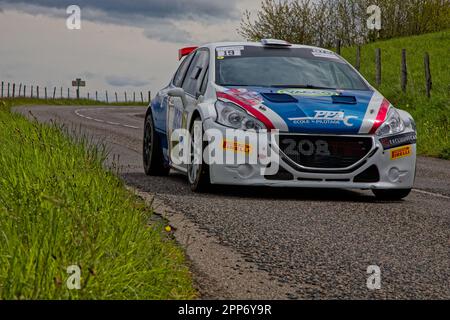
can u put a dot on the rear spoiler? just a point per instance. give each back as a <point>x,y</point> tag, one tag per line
<point>185,51</point>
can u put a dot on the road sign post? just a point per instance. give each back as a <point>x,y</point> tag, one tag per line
<point>78,83</point>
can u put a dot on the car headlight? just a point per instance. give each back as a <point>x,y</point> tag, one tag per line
<point>393,124</point>
<point>231,115</point>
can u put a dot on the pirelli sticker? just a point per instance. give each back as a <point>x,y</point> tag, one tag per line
<point>236,146</point>
<point>401,152</point>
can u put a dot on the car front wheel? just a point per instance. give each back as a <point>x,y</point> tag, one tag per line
<point>198,170</point>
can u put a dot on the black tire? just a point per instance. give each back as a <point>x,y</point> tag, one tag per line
<point>201,182</point>
<point>152,152</point>
<point>391,194</point>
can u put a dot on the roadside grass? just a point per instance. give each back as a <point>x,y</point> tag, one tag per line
<point>59,207</point>
<point>432,115</point>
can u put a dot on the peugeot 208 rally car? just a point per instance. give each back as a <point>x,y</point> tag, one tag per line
<point>328,126</point>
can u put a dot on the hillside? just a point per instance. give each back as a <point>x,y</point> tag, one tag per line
<point>432,115</point>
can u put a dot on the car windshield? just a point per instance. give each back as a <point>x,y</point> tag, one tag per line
<point>284,67</point>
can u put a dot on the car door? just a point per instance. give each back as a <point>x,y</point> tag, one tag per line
<point>174,107</point>
<point>178,114</point>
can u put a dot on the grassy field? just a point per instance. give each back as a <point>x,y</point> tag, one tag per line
<point>59,207</point>
<point>432,115</point>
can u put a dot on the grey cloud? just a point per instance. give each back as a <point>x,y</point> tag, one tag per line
<point>122,81</point>
<point>88,75</point>
<point>168,33</point>
<point>185,9</point>
<point>155,17</point>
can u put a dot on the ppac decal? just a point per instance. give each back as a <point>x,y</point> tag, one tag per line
<point>326,118</point>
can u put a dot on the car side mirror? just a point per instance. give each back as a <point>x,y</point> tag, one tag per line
<point>178,92</point>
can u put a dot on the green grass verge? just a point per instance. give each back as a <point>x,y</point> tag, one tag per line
<point>432,115</point>
<point>60,207</point>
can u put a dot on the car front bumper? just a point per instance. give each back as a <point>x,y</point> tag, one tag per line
<point>393,173</point>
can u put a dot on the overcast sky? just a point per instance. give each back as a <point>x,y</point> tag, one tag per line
<point>123,45</point>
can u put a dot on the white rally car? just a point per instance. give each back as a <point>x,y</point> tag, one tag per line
<point>328,126</point>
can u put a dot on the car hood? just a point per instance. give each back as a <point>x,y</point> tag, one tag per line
<point>310,110</point>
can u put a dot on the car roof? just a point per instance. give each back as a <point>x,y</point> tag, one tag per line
<point>215,45</point>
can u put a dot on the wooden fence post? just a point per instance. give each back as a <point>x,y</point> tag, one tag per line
<point>126,100</point>
<point>338,46</point>
<point>54,93</point>
<point>378,66</point>
<point>20,89</point>
<point>117,100</point>
<point>61,92</point>
<point>31,92</point>
<point>2,88</point>
<point>45,92</point>
<point>149,96</point>
<point>8,89</point>
<point>429,83</point>
<point>107,99</point>
<point>96,96</point>
<point>404,77</point>
<point>37,92</point>
<point>142,98</point>
<point>68,93</point>
<point>24,90</point>
<point>358,58</point>
<point>14,90</point>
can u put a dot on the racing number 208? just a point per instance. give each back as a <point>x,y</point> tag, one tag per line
<point>236,309</point>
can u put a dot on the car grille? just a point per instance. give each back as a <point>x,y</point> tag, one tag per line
<point>331,152</point>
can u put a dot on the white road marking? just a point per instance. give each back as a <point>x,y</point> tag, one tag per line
<point>431,193</point>
<point>77,112</point>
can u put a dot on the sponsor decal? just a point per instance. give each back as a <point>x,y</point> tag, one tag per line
<point>250,97</point>
<point>229,51</point>
<point>250,101</point>
<point>253,102</point>
<point>326,118</point>
<point>401,152</point>
<point>309,92</point>
<point>322,53</point>
<point>236,146</point>
<point>398,140</point>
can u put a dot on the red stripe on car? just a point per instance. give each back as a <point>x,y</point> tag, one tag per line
<point>381,116</point>
<point>257,114</point>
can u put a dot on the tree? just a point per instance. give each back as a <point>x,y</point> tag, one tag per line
<point>322,22</point>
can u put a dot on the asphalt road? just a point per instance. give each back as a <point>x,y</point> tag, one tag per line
<point>287,243</point>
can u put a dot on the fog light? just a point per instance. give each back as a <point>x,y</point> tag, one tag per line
<point>245,170</point>
<point>394,174</point>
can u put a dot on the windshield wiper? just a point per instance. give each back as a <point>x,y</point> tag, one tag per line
<point>300,86</point>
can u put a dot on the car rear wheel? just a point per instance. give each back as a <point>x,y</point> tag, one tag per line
<point>391,194</point>
<point>198,170</point>
<point>152,152</point>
